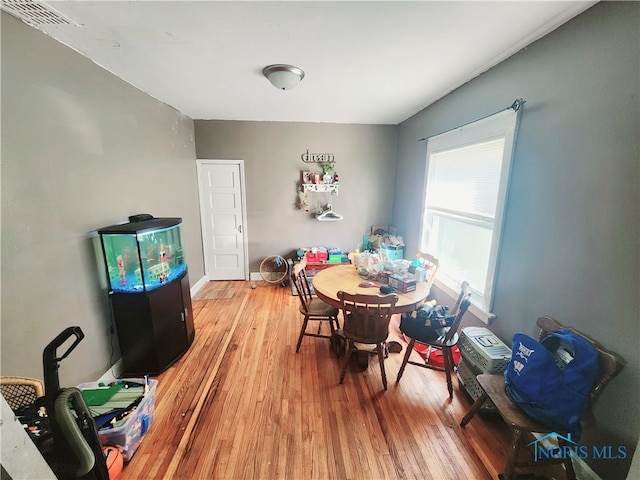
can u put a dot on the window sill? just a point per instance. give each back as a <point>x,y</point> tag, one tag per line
<point>474,308</point>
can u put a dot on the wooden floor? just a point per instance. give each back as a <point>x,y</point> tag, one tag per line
<point>242,404</point>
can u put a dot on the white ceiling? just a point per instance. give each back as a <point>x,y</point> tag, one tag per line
<point>367,62</point>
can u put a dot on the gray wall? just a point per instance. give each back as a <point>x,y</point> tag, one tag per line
<point>571,238</point>
<point>364,159</point>
<point>81,149</point>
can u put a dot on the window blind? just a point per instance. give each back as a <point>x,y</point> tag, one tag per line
<point>466,179</point>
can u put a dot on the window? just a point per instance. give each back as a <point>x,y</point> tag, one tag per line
<point>466,188</point>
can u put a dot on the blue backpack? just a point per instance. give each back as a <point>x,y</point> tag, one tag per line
<point>551,380</point>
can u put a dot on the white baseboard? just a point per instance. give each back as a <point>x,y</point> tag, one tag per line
<point>198,286</point>
<point>255,276</point>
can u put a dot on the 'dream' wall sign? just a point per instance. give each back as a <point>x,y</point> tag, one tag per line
<point>318,157</point>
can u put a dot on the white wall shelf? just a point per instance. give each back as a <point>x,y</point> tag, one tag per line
<point>320,187</point>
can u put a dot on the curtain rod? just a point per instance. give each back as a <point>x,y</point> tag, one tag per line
<point>515,106</point>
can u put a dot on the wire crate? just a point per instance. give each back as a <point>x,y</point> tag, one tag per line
<point>467,378</point>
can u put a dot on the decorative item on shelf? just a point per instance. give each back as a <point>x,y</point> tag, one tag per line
<point>327,177</point>
<point>327,172</point>
<point>315,182</point>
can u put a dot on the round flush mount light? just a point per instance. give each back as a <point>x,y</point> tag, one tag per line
<point>283,76</point>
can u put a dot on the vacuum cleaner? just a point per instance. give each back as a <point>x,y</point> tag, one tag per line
<point>76,452</point>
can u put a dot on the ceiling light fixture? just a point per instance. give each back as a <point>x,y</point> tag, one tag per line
<point>282,76</point>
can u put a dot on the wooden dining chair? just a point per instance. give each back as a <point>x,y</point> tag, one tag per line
<point>311,307</point>
<point>523,427</point>
<point>445,341</point>
<point>366,320</point>
<point>431,264</point>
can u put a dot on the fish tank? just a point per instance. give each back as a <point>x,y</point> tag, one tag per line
<point>141,256</point>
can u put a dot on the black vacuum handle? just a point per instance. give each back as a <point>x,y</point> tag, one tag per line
<point>50,359</point>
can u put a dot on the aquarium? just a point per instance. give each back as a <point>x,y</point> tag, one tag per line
<point>144,255</point>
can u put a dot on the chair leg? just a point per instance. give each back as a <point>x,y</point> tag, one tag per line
<point>332,325</point>
<point>412,342</point>
<point>302,330</point>
<point>448,364</point>
<point>319,326</point>
<point>332,338</point>
<point>347,358</point>
<point>381,356</point>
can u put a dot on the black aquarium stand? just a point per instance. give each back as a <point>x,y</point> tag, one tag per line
<point>155,328</point>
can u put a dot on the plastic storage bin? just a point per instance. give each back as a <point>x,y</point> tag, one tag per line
<point>393,253</point>
<point>127,437</point>
<point>335,258</point>
<point>319,256</point>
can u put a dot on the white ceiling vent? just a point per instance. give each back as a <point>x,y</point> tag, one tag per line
<point>35,13</point>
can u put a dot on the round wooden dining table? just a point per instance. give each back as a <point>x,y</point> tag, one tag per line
<point>328,282</point>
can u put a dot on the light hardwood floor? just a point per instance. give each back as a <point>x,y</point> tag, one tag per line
<point>242,404</point>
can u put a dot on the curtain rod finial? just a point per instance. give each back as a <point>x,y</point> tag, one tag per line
<point>517,104</point>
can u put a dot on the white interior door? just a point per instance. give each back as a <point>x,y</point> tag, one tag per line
<point>223,217</point>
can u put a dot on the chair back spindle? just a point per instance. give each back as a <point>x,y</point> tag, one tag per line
<point>431,264</point>
<point>367,316</point>
<point>459,309</point>
<point>366,320</point>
